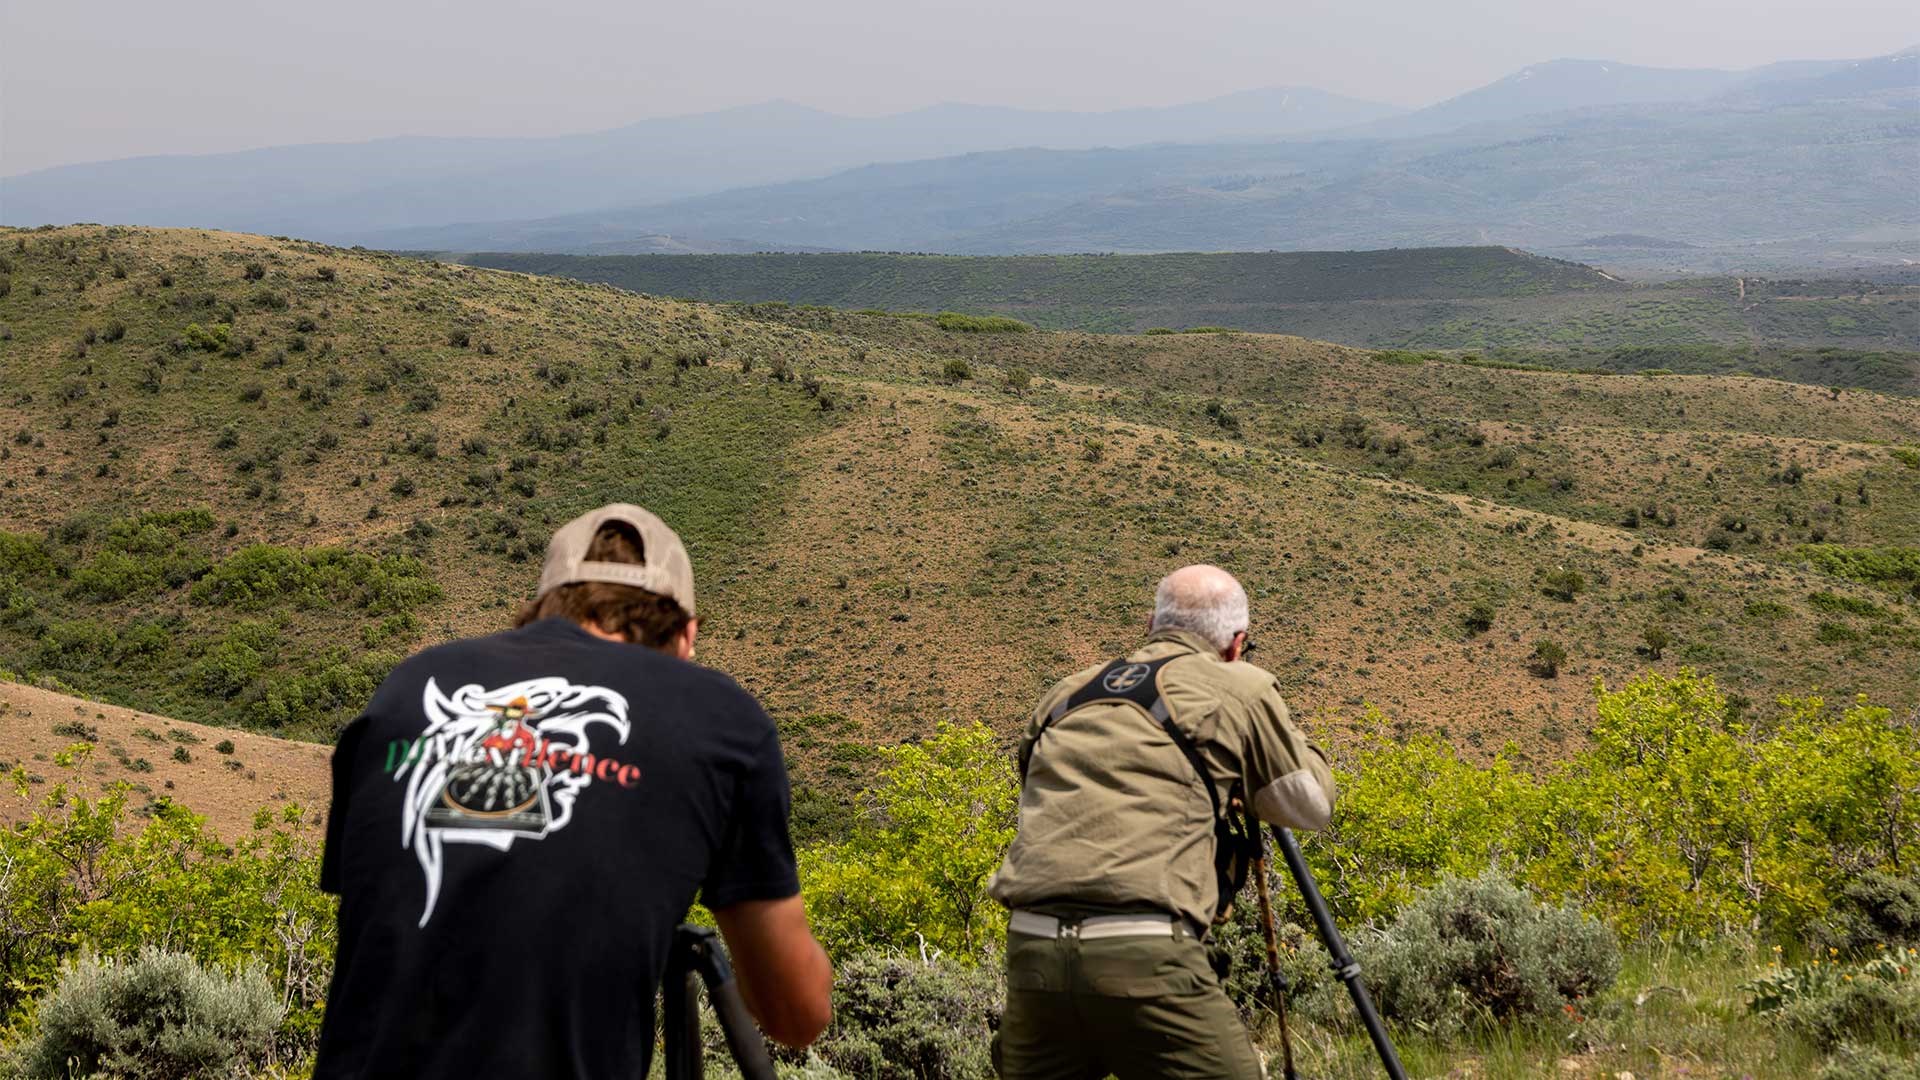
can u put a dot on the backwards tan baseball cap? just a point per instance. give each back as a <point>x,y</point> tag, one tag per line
<point>667,571</point>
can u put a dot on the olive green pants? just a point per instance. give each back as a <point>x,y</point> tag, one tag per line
<point>1138,1008</point>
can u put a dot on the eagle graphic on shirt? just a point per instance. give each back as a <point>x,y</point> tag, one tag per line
<point>494,766</point>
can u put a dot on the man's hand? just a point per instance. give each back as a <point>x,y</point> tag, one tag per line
<point>784,974</point>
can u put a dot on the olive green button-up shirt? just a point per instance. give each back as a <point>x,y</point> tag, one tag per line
<point>1112,815</point>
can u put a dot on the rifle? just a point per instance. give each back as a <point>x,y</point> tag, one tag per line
<point>697,960</point>
<point>1342,961</point>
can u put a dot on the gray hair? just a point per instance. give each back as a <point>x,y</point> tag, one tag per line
<point>1203,599</point>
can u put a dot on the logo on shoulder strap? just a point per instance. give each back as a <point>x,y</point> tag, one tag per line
<point>1119,680</point>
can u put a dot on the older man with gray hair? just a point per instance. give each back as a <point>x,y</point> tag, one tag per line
<point>1130,774</point>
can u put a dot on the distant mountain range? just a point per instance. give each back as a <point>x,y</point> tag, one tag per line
<point>327,191</point>
<point>1793,159</point>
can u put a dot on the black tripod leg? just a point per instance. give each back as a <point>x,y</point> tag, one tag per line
<point>680,1018</point>
<point>707,964</point>
<point>1343,963</point>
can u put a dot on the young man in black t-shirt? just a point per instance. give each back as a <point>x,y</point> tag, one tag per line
<point>520,821</point>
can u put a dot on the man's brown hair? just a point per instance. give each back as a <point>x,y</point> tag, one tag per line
<point>637,615</point>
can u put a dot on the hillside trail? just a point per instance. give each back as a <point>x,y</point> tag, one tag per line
<point>262,772</point>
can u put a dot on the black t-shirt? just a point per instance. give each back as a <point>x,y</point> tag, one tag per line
<point>518,824</point>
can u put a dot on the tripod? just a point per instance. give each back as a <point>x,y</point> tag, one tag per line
<point>1343,962</point>
<point>697,960</point>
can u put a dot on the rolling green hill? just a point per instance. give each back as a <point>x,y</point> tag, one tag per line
<point>239,476</point>
<point>1520,307</point>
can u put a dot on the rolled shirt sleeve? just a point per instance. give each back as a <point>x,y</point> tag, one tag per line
<point>1292,783</point>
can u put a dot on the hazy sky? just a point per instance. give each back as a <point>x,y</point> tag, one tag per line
<point>84,80</point>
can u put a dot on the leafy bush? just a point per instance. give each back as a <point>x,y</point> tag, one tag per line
<point>955,370</point>
<point>1894,566</point>
<point>1479,617</point>
<point>979,324</point>
<point>228,668</point>
<point>84,874</point>
<point>1411,814</point>
<point>1548,655</point>
<point>207,338</point>
<point>1564,584</point>
<point>896,1018</point>
<point>1484,948</point>
<point>1749,832</point>
<point>916,865</point>
<point>159,1014</point>
<point>263,574</point>
<point>1658,640</point>
<point>1859,1009</point>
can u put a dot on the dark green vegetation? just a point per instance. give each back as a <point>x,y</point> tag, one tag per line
<point>352,455</point>
<point>159,608</point>
<point>1493,304</point>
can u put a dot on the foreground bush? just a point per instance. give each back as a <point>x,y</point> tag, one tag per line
<point>914,871</point>
<point>1683,819</point>
<point>85,875</point>
<point>1876,909</point>
<point>1486,948</point>
<point>158,1015</point>
<point>900,1018</point>
<point>1858,1010</point>
<point>1853,1062</point>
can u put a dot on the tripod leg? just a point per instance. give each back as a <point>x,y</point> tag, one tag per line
<point>680,1020</point>
<point>1343,963</point>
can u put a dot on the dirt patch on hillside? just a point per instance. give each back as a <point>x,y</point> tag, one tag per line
<point>143,751</point>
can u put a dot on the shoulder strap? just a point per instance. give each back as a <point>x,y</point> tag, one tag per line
<point>1137,682</point>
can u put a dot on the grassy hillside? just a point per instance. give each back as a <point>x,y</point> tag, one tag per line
<point>1839,333</point>
<point>241,475</point>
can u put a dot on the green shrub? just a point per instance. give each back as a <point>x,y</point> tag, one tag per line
<point>1563,584</point>
<point>979,324</point>
<point>25,558</point>
<point>1017,379</point>
<point>907,1019</point>
<point>916,865</point>
<point>1658,640</point>
<point>1859,1009</point>
<point>228,668</point>
<point>78,645</point>
<point>1479,617</point>
<point>1874,910</point>
<point>1853,1062</point>
<point>1548,655</point>
<point>263,575</point>
<point>1485,948</point>
<point>956,370</point>
<point>1848,605</point>
<point>90,876</point>
<point>159,1014</point>
<point>207,338</point>
<point>1895,566</point>
<point>1412,813</point>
